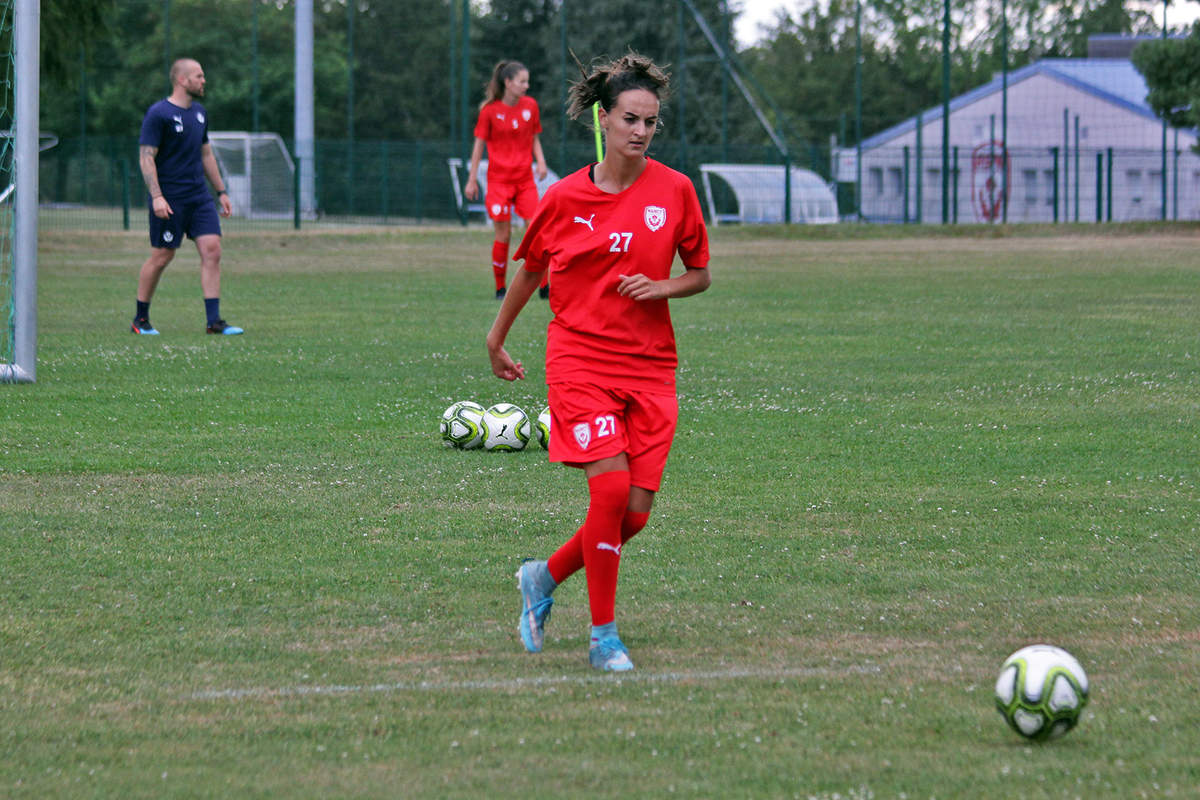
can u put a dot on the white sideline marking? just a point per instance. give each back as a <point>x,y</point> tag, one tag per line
<point>734,673</point>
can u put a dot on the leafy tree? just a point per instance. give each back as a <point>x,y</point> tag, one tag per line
<point>1171,68</point>
<point>401,78</point>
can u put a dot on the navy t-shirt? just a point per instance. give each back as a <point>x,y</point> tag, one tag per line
<point>178,133</point>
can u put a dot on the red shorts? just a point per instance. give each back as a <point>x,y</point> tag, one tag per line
<point>591,422</point>
<point>502,199</point>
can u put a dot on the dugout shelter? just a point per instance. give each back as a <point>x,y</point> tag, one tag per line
<point>758,192</point>
<point>458,180</point>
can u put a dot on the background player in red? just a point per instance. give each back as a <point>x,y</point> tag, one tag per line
<point>608,235</point>
<point>509,124</point>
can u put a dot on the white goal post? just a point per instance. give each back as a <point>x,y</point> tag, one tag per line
<point>18,363</point>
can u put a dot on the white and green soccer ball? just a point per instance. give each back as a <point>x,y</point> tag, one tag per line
<point>506,428</point>
<point>1041,691</point>
<point>462,425</point>
<point>542,428</point>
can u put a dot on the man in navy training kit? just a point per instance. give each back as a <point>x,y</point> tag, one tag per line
<point>175,158</point>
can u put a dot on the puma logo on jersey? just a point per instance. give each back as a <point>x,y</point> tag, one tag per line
<point>587,222</point>
<point>616,548</point>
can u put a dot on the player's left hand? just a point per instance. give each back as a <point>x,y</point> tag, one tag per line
<point>226,205</point>
<point>541,172</point>
<point>639,287</point>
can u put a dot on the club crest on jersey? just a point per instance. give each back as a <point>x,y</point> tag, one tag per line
<point>200,118</point>
<point>525,115</point>
<point>583,435</point>
<point>655,217</point>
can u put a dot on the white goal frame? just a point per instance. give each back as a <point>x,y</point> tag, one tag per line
<point>234,151</point>
<point>24,196</point>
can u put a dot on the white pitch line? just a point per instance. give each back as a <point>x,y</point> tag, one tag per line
<point>514,684</point>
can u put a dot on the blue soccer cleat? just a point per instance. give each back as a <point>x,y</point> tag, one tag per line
<point>142,326</point>
<point>535,606</point>
<point>223,328</point>
<point>610,655</point>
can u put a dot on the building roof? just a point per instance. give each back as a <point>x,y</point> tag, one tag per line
<point>1115,80</point>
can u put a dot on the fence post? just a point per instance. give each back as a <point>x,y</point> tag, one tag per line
<point>125,194</point>
<point>905,187</point>
<point>954,173</point>
<point>417,183</point>
<point>1054,194</point>
<point>383,182</point>
<point>1109,182</point>
<point>1099,186</point>
<point>920,200</point>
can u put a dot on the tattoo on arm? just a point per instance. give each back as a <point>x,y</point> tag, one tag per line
<point>146,154</point>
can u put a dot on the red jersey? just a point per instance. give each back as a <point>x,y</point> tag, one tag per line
<point>588,238</point>
<point>508,132</point>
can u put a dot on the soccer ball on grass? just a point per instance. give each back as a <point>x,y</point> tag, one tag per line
<point>462,425</point>
<point>1041,691</point>
<point>506,428</point>
<point>543,428</point>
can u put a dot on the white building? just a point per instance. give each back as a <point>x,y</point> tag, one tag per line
<point>1082,143</point>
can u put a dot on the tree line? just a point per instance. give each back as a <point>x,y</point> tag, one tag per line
<point>393,69</point>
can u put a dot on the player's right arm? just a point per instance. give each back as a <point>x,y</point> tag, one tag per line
<point>520,289</point>
<point>146,154</point>
<point>472,189</point>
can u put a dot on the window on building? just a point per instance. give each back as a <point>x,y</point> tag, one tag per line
<point>875,180</point>
<point>1048,176</point>
<point>1133,181</point>
<point>896,181</point>
<point>1029,178</point>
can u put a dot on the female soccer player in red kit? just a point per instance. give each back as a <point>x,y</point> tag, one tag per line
<point>509,125</point>
<point>608,235</point>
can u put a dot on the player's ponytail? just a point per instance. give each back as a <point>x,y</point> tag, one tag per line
<point>494,89</point>
<point>605,83</point>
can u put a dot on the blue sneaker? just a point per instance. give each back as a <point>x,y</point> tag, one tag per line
<point>610,655</point>
<point>142,326</point>
<point>535,607</point>
<point>222,327</point>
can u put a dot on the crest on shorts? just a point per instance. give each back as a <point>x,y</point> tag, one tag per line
<point>168,236</point>
<point>583,435</point>
<point>655,217</point>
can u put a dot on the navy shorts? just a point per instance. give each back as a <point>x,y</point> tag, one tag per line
<point>194,217</point>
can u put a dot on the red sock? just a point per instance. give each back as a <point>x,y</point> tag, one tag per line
<point>633,522</point>
<point>601,541</point>
<point>568,559</point>
<point>499,262</point>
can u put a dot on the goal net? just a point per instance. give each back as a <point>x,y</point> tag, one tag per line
<point>259,173</point>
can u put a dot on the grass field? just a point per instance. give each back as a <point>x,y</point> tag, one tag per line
<point>246,567</point>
